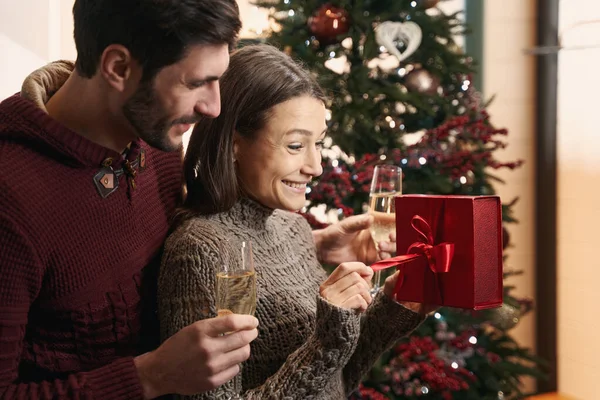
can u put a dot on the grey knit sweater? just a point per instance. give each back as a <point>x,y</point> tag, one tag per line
<point>307,348</point>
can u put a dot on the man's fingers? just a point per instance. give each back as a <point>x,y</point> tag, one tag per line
<point>229,350</point>
<point>355,223</point>
<point>237,340</point>
<point>229,323</point>
<point>387,247</point>
<point>223,376</point>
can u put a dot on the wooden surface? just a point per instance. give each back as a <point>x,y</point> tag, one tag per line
<point>551,396</point>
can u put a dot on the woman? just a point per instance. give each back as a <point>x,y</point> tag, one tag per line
<point>246,174</point>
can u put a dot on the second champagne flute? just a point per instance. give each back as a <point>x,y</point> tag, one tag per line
<point>236,288</point>
<point>385,186</point>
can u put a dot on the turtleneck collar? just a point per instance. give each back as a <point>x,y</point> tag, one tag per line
<point>251,213</point>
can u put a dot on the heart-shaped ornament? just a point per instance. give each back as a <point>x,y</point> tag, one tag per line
<point>408,32</point>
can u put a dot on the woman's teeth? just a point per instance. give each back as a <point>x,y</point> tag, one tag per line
<point>295,185</point>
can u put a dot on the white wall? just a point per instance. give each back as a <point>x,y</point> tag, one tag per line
<point>32,32</point>
<point>509,27</point>
<point>579,203</point>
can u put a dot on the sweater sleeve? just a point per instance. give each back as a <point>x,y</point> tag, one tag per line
<point>186,294</point>
<point>382,325</point>
<point>22,275</point>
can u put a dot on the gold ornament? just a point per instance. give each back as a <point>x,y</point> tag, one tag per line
<point>455,48</point>
<point>505,317</point>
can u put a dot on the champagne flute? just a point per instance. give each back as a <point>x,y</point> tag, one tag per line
<point>236,288</point>
<point>236,283</point>
<point>385,186</point>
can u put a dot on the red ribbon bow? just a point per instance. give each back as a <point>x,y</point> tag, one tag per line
<point>439,257</point>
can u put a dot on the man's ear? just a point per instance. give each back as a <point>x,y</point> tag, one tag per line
<point>117,66</point>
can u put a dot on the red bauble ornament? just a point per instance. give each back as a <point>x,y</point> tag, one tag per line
<point>328,22</point>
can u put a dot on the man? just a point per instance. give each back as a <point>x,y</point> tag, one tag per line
<point>91,175</point>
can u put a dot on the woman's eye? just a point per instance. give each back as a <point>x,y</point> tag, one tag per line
<point>295,146</point>
<point>320,144</point>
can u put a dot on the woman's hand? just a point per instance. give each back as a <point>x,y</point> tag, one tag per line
<point>348,286</point>
<point>388,290</point>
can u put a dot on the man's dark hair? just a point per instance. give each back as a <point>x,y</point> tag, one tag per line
<point>156,32</point>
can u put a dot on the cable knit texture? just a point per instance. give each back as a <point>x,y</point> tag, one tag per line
<point>305,343</point>
<point>71,261</point>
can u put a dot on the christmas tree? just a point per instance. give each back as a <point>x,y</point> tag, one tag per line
<point>401,93</point>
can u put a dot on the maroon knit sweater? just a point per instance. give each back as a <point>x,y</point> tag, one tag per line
<point>71,261</point>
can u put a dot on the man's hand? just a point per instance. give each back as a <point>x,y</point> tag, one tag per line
<point>198,358</point>
<point>350,240</point>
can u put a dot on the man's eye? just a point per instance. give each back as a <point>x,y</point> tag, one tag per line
<point>196,85</point>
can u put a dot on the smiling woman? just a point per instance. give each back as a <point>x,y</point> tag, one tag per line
<point>275,167</point>
<point>246,174</point>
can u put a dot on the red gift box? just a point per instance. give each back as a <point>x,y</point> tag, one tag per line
<point>449,250</point>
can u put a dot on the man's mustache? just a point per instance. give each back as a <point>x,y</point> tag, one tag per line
<point>188,120</point>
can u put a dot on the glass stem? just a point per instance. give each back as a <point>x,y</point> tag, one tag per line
<point>376,283</point>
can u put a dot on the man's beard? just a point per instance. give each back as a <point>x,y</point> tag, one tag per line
<point>150,121</point>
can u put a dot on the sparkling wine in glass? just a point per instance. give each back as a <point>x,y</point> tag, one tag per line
<point>236,288</point>
<point>385,186</point>
<point>236,283</point>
